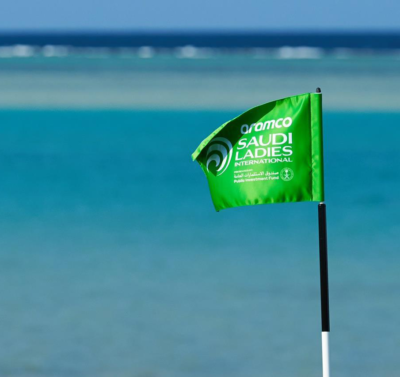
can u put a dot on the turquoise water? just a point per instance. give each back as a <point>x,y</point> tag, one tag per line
<point>113,261</point>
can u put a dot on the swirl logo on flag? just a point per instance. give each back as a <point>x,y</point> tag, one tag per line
<point>220,151</point>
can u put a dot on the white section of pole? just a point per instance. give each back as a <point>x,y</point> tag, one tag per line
<point>325,354</point>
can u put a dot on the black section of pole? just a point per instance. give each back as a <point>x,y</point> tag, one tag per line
<point>323,266</point>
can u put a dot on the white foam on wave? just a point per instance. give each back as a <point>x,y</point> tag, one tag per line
<point>55,51</point>
<point>19,51</point>
<point>193,52</point>
<point>302,52</point>
<point>188,52</point>
<point>146,52</point>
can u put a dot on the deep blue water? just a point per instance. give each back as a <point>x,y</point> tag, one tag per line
<point>325,40</point>
<point>113,261</point>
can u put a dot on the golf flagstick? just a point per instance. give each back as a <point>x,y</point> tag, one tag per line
<point>272,153</point>
<point>323,271</point>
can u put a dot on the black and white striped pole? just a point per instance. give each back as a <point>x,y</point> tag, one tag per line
<point>323,265</point>
<point>323,269</point>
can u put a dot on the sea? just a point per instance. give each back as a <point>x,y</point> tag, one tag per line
<point>113,261</point>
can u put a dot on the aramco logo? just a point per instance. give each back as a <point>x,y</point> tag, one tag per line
<point>219,151</point>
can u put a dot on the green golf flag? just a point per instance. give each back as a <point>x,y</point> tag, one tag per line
<point>270,154</point>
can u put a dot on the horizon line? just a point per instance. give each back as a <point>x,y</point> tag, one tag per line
<point>181,31</point>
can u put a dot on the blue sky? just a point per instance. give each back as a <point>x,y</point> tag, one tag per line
<point>203,14</point>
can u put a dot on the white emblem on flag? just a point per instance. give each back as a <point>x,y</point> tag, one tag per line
<point>220,151</point>
<point>287,174</point>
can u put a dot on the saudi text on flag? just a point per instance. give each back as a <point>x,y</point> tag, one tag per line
<point>269,154</point>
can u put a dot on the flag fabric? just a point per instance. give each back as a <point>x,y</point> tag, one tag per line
<point>272,153</point>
